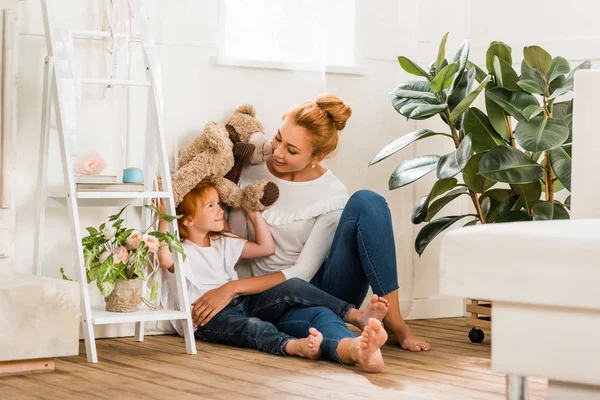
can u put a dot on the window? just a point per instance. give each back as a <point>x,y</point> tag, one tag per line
<point>307,32</point>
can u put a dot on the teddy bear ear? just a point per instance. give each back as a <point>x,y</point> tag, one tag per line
<point>247,109</point>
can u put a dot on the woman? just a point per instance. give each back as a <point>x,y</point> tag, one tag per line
<point>341,245</point>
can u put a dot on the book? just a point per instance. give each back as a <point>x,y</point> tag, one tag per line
<point>95,178</point>
<point>110,187</point>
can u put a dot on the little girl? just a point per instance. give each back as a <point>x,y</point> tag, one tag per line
<point>247,319</point>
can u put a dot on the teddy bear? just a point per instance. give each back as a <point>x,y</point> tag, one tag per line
<point>211,156</point>
<point>250,145</point>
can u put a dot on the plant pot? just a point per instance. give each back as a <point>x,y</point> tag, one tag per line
<point>126,297</point>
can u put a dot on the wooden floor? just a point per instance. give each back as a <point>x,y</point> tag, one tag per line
<point>158,368</point>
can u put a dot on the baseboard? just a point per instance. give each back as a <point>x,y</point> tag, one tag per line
<point>22,367</point>
<point>439,307</point>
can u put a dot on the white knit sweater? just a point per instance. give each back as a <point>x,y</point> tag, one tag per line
<point>303,222</point>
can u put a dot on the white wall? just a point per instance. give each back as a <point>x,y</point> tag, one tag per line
<point>197,91</point>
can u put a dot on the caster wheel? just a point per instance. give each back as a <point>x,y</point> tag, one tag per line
<point>476,335</point>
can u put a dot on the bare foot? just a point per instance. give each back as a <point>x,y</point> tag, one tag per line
<point>408,341</point>
<point>377,308</point>
<point>309,347</point>
<point>368,352</point>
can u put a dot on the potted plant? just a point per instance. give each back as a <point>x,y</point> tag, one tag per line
<point>523,139</point>
<point>507,155</point>
<point>116,258</point>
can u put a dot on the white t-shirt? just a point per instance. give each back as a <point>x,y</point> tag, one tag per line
<point>303,222</point>
<point>205,268</point>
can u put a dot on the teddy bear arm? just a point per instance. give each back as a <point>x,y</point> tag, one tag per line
<point>228,192</point>
<point>260,195</point>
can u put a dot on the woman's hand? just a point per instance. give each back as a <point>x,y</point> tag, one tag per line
<point>209,305</point>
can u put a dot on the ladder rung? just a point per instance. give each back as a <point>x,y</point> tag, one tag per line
<point>81,34</point>
<point>101,81</point>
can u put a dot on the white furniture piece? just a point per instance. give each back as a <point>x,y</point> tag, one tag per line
<point>61,88</point>
<point>542,277</point>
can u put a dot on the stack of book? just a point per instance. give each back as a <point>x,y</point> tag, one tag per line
<point>105,183</point>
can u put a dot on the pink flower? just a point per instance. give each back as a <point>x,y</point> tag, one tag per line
<point>90,163</point>
<point>120,254</point>
<point>134,240</point>
<point>151,243</point>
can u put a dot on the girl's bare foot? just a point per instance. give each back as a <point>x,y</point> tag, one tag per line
<point>367,346</point>
<point>377,308</point>
<point>309,347</point>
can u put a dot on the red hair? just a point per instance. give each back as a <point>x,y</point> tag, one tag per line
<point>189,206</point>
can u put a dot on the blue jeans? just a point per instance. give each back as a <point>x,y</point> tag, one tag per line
<point>363,254</point>
<point>248,320</point>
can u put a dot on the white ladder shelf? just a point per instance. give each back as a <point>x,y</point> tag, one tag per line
<point>58,69</point>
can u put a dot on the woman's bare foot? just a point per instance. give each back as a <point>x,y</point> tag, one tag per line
<point>309,347</point>
<point>408,340</point>
<point>367,346</point>
<point>377,308</point>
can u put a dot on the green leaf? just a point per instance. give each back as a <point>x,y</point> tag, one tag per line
<point>504,207</point>
<point>530,86</point>
<point>416,100</point>
<point>560,159</point>
<point>92,274</point>
<point>569,83</point>
<point>164,216</point>
<point>506,164</point>
<point>529,193</point>
<point>441,52</point>
<point>541,133</point>
<point>116,216</point>
<point>480,74</point>
<point>483,134</point>
<point>492,200</point>
<point>154,291</point>
<point>444,78</point>
<point>497,118</point>
<point>440,203</point>
<point>513,216</point>
<point>583,65</point>
<point>92,231</point>
<point>568,202</point>
<point>412,67</point>
<point>440,187</point>
<point>558,83</point>
<point>123,236</point>
<point>471,223</point>
<point>462,56</point>
<point>534,78</point>
<point>453,163</point>
<point>547,210</point>
<point>474,181</point>
<point>532,111</point>
<point>65,277</point>
<point>511,101</point>
<point>419,211</point>
<point>559,66</point>
<point>538,59</point>
<point>106,287</point>
<point>466,102</point>
<point>401,143</point>
<point>411,170</point>
<point>505,74</point>
<point>461,89</point>
<point>432,229</point>
<point>500,50</point>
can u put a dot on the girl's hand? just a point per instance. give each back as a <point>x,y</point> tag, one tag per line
<point>250,213</point>
<point>209,305</point>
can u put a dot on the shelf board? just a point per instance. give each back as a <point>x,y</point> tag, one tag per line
<point>101,317</point>
<point>105,199</point>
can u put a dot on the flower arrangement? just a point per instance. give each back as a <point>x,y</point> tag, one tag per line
<point>114,252</point>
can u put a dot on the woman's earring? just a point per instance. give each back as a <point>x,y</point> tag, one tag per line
<point>313,165</point>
